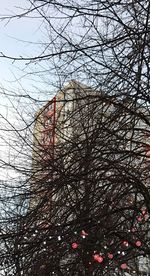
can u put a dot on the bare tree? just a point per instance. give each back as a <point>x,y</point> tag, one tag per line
<point>91,194</point>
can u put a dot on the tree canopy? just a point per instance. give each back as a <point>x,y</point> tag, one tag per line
<point>82,209</point>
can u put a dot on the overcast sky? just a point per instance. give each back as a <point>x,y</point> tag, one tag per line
<point>12,35</point>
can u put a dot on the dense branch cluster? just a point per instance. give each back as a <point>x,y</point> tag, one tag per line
<point>82,208</point>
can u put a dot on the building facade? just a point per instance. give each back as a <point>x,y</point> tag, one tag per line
<point>88,150</point>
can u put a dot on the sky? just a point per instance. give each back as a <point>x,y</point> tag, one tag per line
<point>14,35</point>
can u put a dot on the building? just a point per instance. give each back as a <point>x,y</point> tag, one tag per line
<point>55,123</point>
<point>86,139</point>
